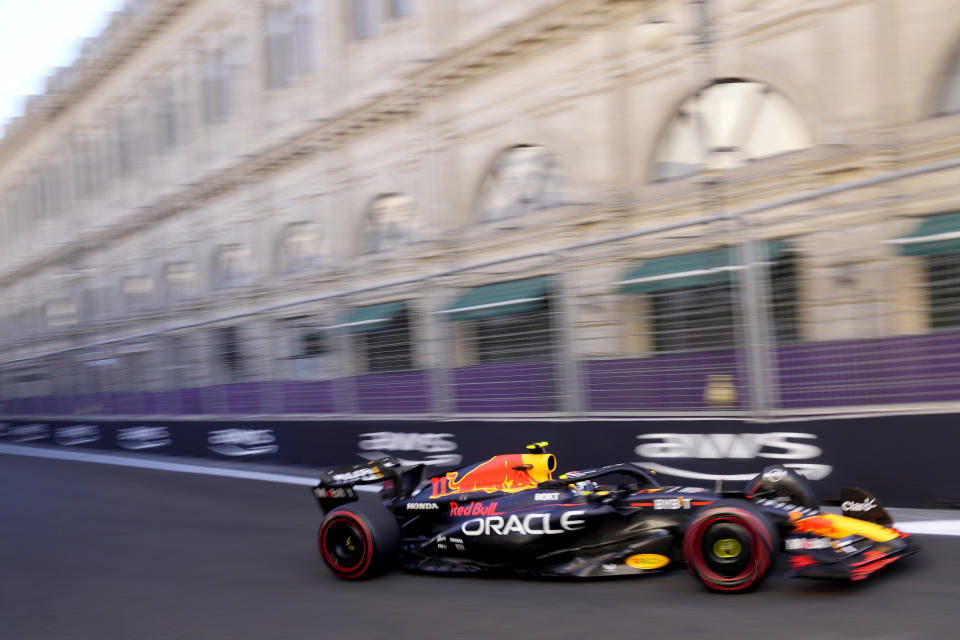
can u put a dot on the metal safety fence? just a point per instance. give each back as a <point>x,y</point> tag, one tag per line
<point>840,299</point>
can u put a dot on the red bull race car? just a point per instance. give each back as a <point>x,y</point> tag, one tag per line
<point>510,513</point>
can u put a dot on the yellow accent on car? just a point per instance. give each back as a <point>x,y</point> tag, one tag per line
<point>542,465</point>
<point>647,561</point>
<point>854,526</point>
<point>831,525</point>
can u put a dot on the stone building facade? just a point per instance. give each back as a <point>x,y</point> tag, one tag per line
<point>220,192</point>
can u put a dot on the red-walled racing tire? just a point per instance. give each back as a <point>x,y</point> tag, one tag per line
<point>358,540</point>
<point>730,546</point>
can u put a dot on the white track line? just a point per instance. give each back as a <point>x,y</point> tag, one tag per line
<point>159,465</point>
<point>935,527</point>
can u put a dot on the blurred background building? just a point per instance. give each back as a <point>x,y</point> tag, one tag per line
<point>489,207</point>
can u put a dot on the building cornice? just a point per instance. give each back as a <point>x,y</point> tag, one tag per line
<point>90,71</point>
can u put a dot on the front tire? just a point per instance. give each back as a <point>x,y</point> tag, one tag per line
<point>358,540</point>
<point>730,546</point>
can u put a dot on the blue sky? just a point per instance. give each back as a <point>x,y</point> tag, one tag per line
<point>37,36</point>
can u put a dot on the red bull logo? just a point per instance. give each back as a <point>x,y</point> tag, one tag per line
<point>509,473</point>
<point>817,525</point>
<point>831,525</point>
<point>473,509</point>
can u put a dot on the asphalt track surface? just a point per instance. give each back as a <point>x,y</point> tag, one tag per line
<point>100,552</point>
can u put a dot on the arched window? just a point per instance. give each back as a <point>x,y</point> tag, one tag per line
<point>299,247</point>
<point>392,221</point>
<point>727,125</point>
<point>948,98</point>
<point>521,180</point>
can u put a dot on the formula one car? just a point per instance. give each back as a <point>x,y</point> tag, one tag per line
<point>510,513</point>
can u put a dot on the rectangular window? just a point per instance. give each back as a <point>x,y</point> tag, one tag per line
<point>400,8</point>
<point>307,349</point>
<point>279,44</point>
<point>230,353</point>
<point>783,286</point>
<point>107,153</point>
<point>703,318</point>
<point>21,217</point>
<point>88,170</point>
<point>515,336</point>
<point>137,292</point>
<point>124,138</point>
<point>389,348</point>
<point>178,280</point>
<point>61,379</point>
<point>290,34</point>
<point>693,319</point>
<point>38,191</point>
<point>176,362</point>
<point>943,276</point>
<point>165,118</point>
<point>234,75</point>
<point>101,163</point>
<point>136,368</point>
<point>233,265</point>
<point>61,313</point>
<point>366,16</point>
<point>82,168</point>
<point>304,28</point>
<point>53,189</point>
<point>96,303</point>
<point>213,87</point>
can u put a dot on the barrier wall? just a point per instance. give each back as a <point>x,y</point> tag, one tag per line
<point>902,459</point>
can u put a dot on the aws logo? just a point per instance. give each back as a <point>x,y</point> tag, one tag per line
<point>780,445</point>
<point>242,442</point>
<point>76,434</point>
<point>144,437</point>
<point>439,447</point>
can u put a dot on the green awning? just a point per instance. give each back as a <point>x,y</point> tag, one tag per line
<point>372,318</point>
<point>936,234</point>
<point>688,270</point>
<point>499,298</point>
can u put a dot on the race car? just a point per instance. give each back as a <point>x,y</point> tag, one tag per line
<point>509,513</point>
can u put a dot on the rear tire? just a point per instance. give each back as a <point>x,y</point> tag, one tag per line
<point>730,546</point>
<point>359,540</point>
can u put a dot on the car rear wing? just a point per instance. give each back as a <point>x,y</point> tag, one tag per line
<point>336,486</point>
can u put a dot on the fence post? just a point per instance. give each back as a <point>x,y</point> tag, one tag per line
<point>757,330</point>
<point>571,398</point>
<point>345,384</point>
<point>437,335</point>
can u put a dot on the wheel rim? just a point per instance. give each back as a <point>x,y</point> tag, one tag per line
<point>343,544</point>
<point>726,549</point>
